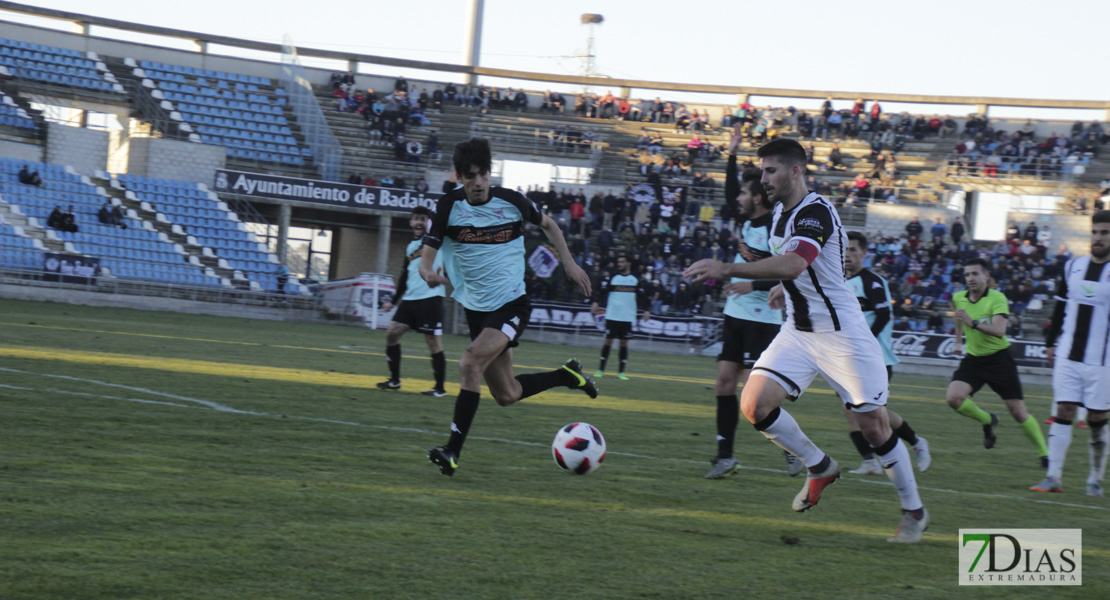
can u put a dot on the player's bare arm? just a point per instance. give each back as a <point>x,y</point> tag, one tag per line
<point>574,273</point>
<point>997,326</point>
<point>738,288</point>
<point>737,137</point>
<point>783,267</point>
<point>776,298</point>
<point>432,277</point>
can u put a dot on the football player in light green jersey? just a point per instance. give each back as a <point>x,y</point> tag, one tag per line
<point>981,314</point>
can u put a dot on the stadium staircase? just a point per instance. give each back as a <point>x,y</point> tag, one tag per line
<point>210,231</point>
<point>195,252</point>
<point>154,119</point>
<point>138,252</point>
<point>23,241</point>
<point>244,113</point>
<point>18,121</point>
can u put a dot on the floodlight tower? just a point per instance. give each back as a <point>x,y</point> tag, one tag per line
<point>589,65</point>
<point>472,45</point>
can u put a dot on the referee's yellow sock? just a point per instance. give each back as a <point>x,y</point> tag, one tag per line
<point>972,411</point>
<point>1033,431</point>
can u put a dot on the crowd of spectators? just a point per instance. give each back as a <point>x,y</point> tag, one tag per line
<point>573,138</point>
<point>923,263</point>
<point>988,152</point>
<point>924,270</point>
<point>660,239</point>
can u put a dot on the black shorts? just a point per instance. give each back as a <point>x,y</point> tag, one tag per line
<point>743,341</point>
<point>998,370</point>
<point>618,330</point>
<point>424,316</point>
<point>511,319</point>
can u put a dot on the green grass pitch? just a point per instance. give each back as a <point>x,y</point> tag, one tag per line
<point>170,456</point>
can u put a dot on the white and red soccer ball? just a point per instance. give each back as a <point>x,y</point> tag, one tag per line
<point>578,448</point>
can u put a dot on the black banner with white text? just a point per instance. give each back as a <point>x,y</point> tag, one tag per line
<point>70,268</point>
<point>331,193</point>
<point>909,344</point>
<point>559,316</point>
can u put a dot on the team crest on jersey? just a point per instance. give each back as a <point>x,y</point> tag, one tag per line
<point>499,213</point>
<point>792,246</point>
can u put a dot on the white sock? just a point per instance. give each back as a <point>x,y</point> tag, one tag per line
<point>899,470</point>
<point>786,434</point>
<point>1097,452</point>
<point>1059,438</point>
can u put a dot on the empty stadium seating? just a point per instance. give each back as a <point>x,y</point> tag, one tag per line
<point>59,66</point>
<point>17,250</point>
<point>226,109</point>
<point>201,215</point>
<point>138,252</point>
<point>14,116</point>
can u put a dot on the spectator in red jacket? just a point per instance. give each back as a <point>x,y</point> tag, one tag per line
<point>577,210</point>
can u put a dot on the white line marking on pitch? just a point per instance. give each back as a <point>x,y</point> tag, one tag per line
<point>193,402</point>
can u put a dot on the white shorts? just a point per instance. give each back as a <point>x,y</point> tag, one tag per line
<point>1079,383</point>
<point>851,360</point>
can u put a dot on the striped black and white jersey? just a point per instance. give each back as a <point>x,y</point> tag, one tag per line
<point>1084,330</point>
<point>819,299</point>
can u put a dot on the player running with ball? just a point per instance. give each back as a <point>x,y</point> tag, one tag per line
<point>825,333</point>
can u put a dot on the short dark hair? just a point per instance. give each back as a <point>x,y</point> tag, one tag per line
<point>786,149</point>
<point>753,179</point>
<point>859,238</point>
<point>972,262</point>
<point>422,210</point>
<point>474,152</point>
<point>1100,216</point>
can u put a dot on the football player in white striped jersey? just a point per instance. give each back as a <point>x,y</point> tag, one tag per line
<point>1079,352</point>
<point>825,333</point>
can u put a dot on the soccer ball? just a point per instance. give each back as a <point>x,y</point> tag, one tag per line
<point>578,448</point>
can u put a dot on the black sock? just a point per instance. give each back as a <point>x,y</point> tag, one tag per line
<point>604,357</point>
<point>861,445</point>
<point>728,415</point>
<point>821,466</point>
<point>534,383</point>
<point>393,359</point>
<point>624,357</point>
<point>907,433</point>
<point>439,368</point>
<point>466,405</point>
<point>888,446</point>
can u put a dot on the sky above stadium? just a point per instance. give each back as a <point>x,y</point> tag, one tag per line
<point>1021,48</point>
